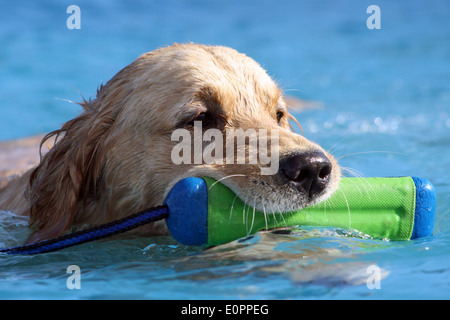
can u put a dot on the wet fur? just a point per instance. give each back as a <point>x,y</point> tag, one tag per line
<point>114,159</point>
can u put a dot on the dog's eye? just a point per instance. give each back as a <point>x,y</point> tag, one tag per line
<point>280,115</point>
<point>200,117</point>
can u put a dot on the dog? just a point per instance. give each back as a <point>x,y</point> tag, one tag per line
<point>114,159</point>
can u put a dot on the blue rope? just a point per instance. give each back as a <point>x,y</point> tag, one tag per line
<point>99,232</point>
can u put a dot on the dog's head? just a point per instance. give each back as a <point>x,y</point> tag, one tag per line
<point>184,110</point>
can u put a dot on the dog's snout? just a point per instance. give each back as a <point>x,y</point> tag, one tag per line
<point>310,172</point>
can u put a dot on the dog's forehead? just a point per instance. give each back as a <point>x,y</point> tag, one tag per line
<point>179,74</point>
<point>249,100</point>
<point>238,82</point>
<point>230,80</point>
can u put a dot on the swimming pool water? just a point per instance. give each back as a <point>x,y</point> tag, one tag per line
<point>385,111</point>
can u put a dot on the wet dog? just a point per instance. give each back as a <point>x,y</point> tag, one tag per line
<point>116,157</point>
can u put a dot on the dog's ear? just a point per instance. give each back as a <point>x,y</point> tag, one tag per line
<point>67,175</point>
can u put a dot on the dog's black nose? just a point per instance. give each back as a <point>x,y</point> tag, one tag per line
<point>310,172</point>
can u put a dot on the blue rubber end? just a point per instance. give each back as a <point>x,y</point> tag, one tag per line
<point>188,211</point>
<point>425,208</point>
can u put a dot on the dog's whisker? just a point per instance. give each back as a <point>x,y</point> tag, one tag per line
<point>368,152</point>
<point>243,211</point>
<point>253,218</point>
<point>274,217</point>
<point>226,177</point>
<point>66,100</point>
<point>246,220</point>
<point>281,214</point>
<point>353,172</point>
<point>295,81</point>
<point>334,147</point>
<point>325,209</point>
<point>265,216</point>
<point>294,89</point>
<point>232,206</point>
<point>348,208</point>
<point>359,176</point>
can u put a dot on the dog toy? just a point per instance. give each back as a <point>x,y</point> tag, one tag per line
<point>203,212</point>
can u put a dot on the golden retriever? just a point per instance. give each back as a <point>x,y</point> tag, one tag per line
<point>115,158</point>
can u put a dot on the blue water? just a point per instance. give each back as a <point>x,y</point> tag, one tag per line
<point>385,97</point>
